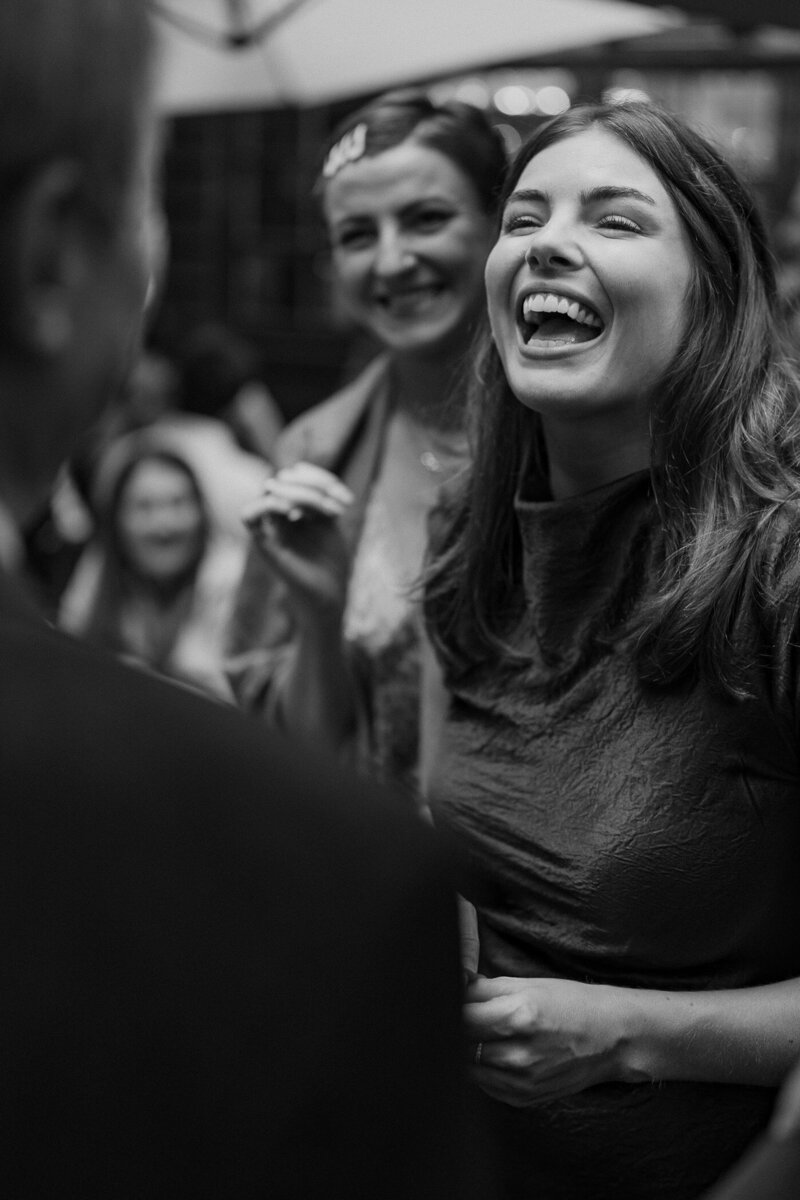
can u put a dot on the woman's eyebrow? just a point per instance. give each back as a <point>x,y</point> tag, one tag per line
<point>432,197</point>
<point>350,219</point>
<point>616,193</point>
<point>530,194</point>
<point>608,192</point>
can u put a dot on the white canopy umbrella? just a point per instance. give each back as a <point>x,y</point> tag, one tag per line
<point>252,54</point>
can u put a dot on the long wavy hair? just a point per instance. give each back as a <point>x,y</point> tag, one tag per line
<point>725,439</point>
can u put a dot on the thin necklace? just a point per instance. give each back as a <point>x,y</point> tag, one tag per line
<point>436,451</point>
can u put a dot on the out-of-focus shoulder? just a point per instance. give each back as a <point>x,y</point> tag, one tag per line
<point>317,433</point>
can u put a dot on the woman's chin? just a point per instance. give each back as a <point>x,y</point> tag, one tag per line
<point>429,341</point>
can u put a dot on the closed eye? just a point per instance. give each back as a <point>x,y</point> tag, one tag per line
<point>616,221</point>
<point>520,222</point>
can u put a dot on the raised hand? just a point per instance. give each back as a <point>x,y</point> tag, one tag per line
<point>295,525</point>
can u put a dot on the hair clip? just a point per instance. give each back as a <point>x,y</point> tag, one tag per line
<point>348,149</point>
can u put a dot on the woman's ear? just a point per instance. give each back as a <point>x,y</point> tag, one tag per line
<point>44,257</point>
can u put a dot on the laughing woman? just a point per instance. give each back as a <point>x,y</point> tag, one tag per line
<point>325,637</point>
<point>615,606</point>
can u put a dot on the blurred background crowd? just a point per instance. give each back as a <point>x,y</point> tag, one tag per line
<point>248,328</point>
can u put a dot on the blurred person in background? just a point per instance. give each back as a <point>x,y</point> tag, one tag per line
<point>156,582</point>
<point>56,539</point>
<point>230,969</point>
<point>325,639</point>
<point>157,575</point>
<point>219,378</point>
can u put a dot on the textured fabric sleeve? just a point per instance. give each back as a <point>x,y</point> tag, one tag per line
<point>259,638</point>
<point>261,652</point>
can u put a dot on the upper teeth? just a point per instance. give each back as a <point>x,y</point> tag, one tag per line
<point>547,302</point>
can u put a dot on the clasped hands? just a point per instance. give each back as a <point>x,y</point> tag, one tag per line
<point>545,1038</point>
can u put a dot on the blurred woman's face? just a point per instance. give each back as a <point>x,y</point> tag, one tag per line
<point>588,282</point>
<point>410,241</point>
<point>160,521</point>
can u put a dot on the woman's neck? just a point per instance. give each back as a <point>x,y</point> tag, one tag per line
<point>582,458</point>
<point>162,595</point>
<point>427,390</point>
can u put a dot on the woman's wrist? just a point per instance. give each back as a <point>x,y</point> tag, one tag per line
<point>631,1033</point>
<point>745,1035</point>
<point>660,1035</point>
<point>646,1025</point>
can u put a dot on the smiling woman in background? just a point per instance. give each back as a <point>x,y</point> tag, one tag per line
<point>615,606</point>
<point>156,583</point>
<point>326,635</point>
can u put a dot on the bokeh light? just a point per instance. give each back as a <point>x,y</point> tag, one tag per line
<point>474,91</point>
<point>513,100</point>
<point>552,100</point>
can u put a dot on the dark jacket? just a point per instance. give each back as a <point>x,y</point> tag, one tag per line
<point>229,970</point>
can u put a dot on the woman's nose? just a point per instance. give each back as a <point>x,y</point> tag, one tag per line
<point>552,248</point>
<point>394,255</point>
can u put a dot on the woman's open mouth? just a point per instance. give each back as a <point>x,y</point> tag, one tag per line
<point>552,319</point>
